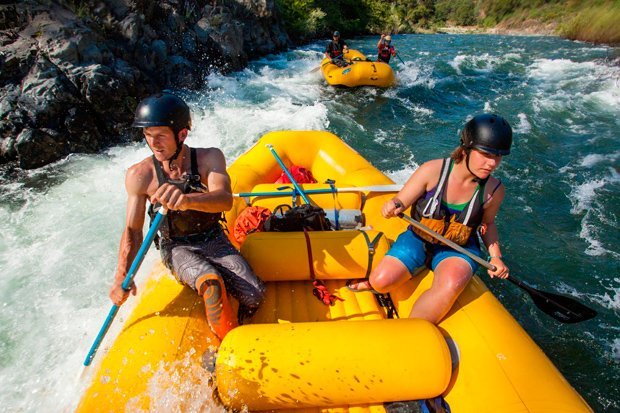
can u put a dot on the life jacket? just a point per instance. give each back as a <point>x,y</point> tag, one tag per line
<point>335,48</point>
<point>178,224</point>
<point>300,174</point>
<point>385,52</point>
<point>453,224</point>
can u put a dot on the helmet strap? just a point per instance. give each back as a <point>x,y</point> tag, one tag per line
<point>467,152</point>
<point>177,152</point>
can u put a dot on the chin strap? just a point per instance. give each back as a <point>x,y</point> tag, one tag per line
<point>178,151</point>
<point>476,178</point>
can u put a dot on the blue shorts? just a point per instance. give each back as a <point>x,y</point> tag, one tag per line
<point>412,251</point>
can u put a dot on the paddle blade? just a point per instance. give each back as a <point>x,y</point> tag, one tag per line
<point>315,69</point>
<point>564,309</point>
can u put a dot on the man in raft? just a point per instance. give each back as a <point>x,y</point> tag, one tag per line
<point>386,50</point>
<point>455,197</point>
<point>336,49</point>
<point>193,185</point>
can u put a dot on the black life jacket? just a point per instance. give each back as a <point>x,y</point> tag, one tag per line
<point>184,223</point>
<point>335,48</point>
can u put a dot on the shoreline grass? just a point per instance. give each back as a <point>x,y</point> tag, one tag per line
<point>600,24</point>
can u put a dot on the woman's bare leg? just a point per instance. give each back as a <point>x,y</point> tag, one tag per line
<point>451,277</point>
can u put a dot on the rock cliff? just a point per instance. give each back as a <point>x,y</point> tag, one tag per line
<point>72,72</point>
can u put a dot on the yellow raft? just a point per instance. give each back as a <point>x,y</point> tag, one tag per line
<point>298,353</point>
<point>360,71</point>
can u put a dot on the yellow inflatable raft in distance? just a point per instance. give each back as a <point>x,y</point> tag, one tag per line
<point>360,71</point>
<point>298,353</point>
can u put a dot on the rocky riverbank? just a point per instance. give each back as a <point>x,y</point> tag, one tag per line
<point>72,72</point>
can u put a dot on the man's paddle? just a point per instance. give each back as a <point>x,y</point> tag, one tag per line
<point>397,55</point>
<point>135,265</point>
<point>320,66</point>
<point>286,190</point>
<point>288,173</point>
<point>562,308</point>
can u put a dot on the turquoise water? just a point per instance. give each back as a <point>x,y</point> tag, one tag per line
<point>559,225</point>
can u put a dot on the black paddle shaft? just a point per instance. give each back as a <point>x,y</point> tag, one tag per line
<point>564,309</point>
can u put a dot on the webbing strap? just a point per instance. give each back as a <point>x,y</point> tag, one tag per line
<point>320,290</point>
<point>331,183</point>
<point>384,299</point>
<point>371,249</point>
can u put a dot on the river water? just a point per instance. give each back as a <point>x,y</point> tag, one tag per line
<point>61,224</point>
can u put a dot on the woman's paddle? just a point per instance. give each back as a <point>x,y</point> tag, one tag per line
<point>135,265</point>
<point>563,309</point>
<point>397,55</point>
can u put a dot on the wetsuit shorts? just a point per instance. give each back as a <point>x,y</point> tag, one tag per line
<point>190,259</point>
<point>412,251</point>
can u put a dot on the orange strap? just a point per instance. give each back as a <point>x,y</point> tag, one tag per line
<point>320,290</point>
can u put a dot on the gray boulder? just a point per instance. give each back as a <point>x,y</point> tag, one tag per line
<point>71,73</point>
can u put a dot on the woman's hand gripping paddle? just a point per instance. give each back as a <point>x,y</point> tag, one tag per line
<point>135,265</point>
<point>562,308</point>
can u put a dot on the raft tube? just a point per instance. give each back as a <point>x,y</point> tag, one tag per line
<point>284,366</point>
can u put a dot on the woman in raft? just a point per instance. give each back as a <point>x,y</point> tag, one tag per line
<point>454,197</point>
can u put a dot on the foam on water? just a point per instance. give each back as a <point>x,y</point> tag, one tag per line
<point>524,126</point>
<point>415,73</point>
<point>563,83</point>
<point>586,202</point>
<point>480,63</point>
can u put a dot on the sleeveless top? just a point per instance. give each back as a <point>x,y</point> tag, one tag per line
<point>178,224</point>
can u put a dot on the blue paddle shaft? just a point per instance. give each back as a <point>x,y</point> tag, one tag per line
<point>286,171</point>
<point>135,266</point>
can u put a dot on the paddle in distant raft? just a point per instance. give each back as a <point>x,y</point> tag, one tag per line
<point>562,308</point>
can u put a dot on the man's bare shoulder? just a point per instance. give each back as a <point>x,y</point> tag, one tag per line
<point>211,159</point>
<point>140,176</point>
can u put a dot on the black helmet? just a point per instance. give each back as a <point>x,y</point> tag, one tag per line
<point>488,133</point>
<point>163,109</point>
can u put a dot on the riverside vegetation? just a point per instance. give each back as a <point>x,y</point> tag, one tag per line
<point>588,20</point>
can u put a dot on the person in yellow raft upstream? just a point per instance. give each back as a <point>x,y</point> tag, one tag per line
<point>336,49</point>
<point>386,50</point>
<point>455,197</point>
<point>193,185</point>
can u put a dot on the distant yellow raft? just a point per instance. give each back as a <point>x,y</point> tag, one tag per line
<point>359,72</point>
<point>298,353</point>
